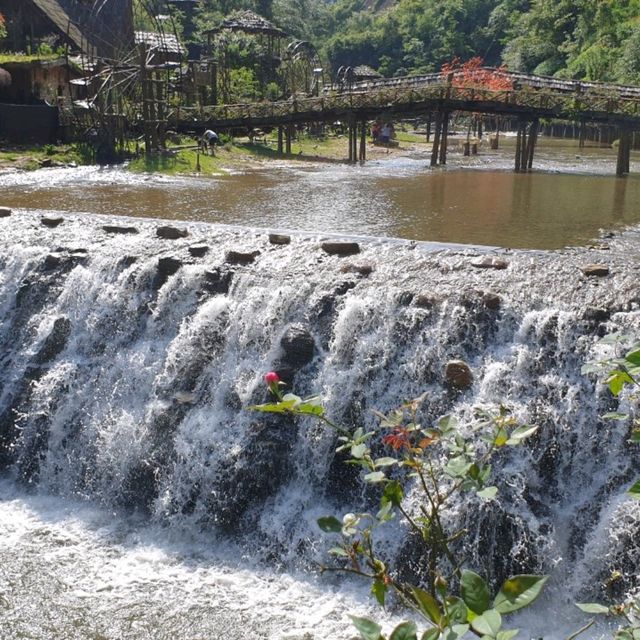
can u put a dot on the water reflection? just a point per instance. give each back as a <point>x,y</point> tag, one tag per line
<point>567,201</point>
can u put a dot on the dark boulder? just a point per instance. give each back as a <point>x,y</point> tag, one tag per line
<point>298,346</point>
<point>595,270</point>
<point>171,233</point>
<point>166,268</point>
<point>241,257</point>
<point>457,373</point>
<point>51,222</point>
<point>117,229</point>
<point>278,238</point>
<point>198,251</point>
<point>5,212</point>
<point>341,248</point>
<point>217,280</point>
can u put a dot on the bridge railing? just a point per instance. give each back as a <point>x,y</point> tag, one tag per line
<point>383,95</point>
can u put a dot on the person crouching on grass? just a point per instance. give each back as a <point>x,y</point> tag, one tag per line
<point>209,141</point>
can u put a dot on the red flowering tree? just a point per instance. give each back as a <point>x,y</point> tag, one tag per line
<point>472,74</point>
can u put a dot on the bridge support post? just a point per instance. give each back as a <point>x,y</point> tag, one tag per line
<point>288,137</point>
<point>435,150</point>
<point>280,140</point>
<point>533,139</point>
<point>445,138</point>
<point>362,156</point>
<point>624,152</point>
<point>429,126</point>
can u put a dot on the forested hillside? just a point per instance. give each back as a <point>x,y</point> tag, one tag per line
<point>584,39</point>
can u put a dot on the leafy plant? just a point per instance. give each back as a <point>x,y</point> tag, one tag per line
<point>445,460</point>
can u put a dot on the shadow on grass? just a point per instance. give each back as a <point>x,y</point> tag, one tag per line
<point>265,151</point>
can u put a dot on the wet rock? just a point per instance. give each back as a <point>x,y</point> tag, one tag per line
<point>217,280</point>
<point>363,269</point>
<point>278,238</point>
<point>341,248</point>
<point>405,298</point>
<point>298,345</point>
<point>343,287</point>
<point>491,300</point>
<point>5,212</point>
<point>457,373</point>
<point>241,257</point>
<point>595,270</point>
<point>490,262</point>
<point>55,341</point>
<point>117,229</point>
<point>426,300</point>
<point>171,233</point>
<point>52,261</point>
<point>51,222</point>
<point>166,268</point>
<point>597,314</point>
<point>199,250</point>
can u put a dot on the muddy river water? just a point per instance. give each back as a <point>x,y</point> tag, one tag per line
<point>571,198</point>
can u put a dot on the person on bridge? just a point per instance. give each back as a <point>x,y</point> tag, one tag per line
<point>209,141</point>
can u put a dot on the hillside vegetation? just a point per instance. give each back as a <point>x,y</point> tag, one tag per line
<point>582,39</point>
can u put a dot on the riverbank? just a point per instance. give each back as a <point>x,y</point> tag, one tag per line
<point>184,158</point>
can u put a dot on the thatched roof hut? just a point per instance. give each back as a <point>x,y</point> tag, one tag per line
<point>163,47</point>
<point>365,72</point>
<point>248,22</point>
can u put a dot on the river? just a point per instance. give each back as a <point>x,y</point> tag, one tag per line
<point>139,500</point>
<point>571,196</point>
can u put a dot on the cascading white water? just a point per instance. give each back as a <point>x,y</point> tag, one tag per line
<point>126,363</point>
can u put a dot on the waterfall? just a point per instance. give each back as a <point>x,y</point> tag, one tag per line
<point>127,361</point>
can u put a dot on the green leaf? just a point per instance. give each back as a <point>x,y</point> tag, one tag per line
<point>634,491</point>
<point>614,415</point>
<point>431,634</point>
<point>614,338</point>
<point>368,629</point>
<point>592,607</point>
<point>330,524</point>
<point>633,357</point>
<point>501,437</point>
<point>617,379</point>
<point>428,605</point>
<point>521,433</point>
<point>358,450</point>
<point>488,623</point>
<point>447,424</point>
<point>379,590</point>
<point>385,514</point>
<point>635,436</point>
<point>457,467</point>
<point>507,634</point>
<point>458,611</point>
<point>488,493</point>
<point>376,476</point>
<point>456,631</point>
<point>274,407</point>
<point>405,631</point>
<point>518,592</point>
<point>338,551</point>
<point>393,493</point>
<point>385,462</point>
<point>474,591</point>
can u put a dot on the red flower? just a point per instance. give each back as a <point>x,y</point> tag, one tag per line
<point>398,439</point>
<point>271,378</point>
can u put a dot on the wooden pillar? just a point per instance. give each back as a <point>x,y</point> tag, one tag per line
<point>583,135</point>
<point>429,126</point>
<point>518,149</point>
<point>444,139</point>
<point>533,138</point>
<point>280,140</point>
<point>363,141</point>
<point>435,151</point>
<point>480,132</point>
<point>624,149</point>
<point>287,139</point>
<point>354,141</point>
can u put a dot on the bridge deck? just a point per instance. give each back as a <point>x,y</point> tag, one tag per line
<point>531,97</point>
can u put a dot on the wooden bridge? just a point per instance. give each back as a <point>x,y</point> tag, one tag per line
<point>530,99</point>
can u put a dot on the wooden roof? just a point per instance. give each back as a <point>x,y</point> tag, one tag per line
<point>63,22</point>
<point>365,71</point>
<point>163,42</point>
<point>248,22</point>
